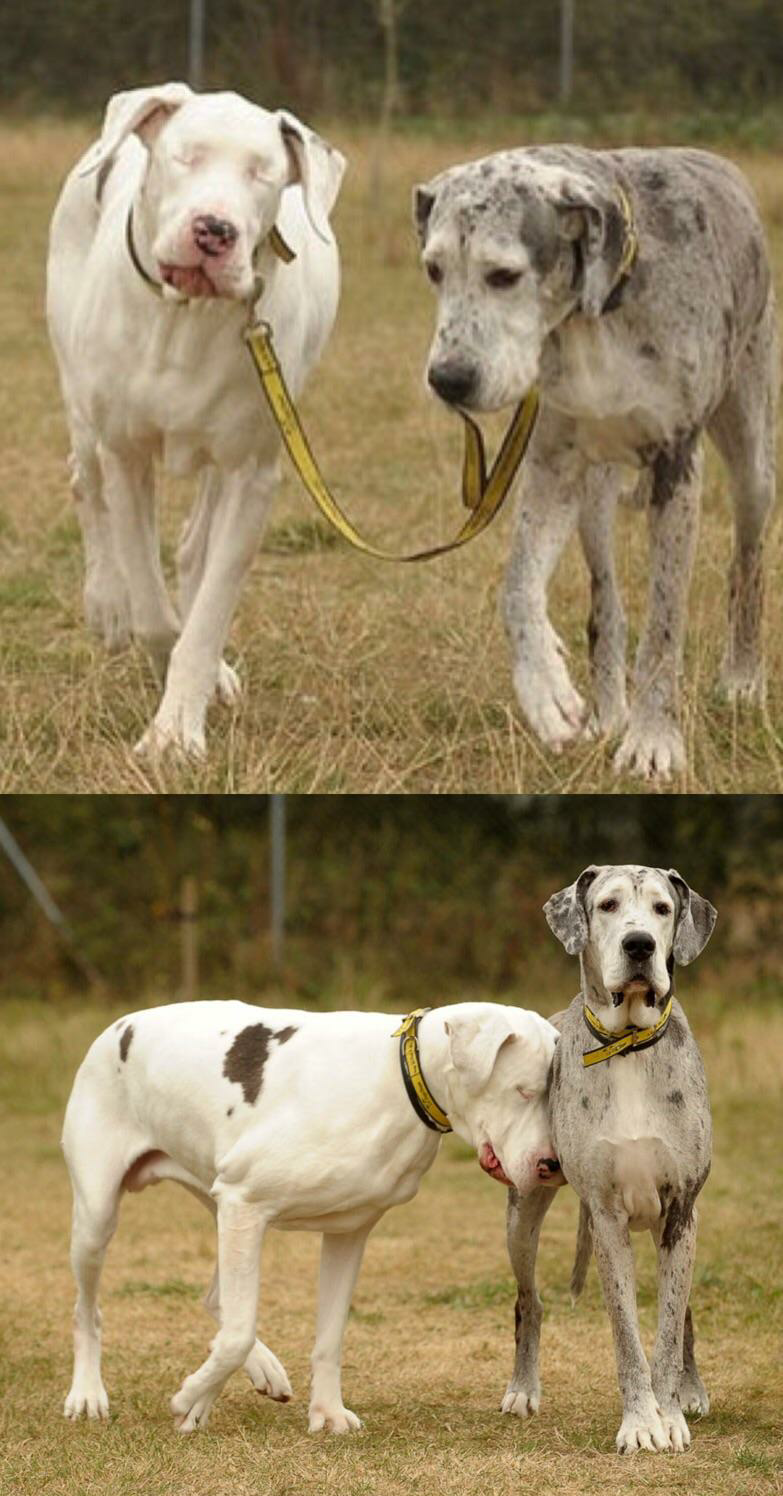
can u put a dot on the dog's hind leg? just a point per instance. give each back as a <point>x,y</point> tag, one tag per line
<point>744,431</point>
<point>97,1182</point>
<point>694,1397</point>
<point>524,1219</point>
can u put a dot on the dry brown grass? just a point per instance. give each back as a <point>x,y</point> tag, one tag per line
<point>359,676</point>
<point>430,1340</point>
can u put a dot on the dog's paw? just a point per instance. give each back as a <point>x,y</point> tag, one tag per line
<point>87,1395</point>
<point>553,708</point>
<point>742,685</point>
<point>191,1409</point>
<point>180,736</point>
<point>643,1430</point>
<point>267,1375</point>
<point>228,690</point>
<point>676,1428</point>
<point>521,1401</point>
<point>107,611</point>
<point>652,751</point>
<point>694,1398</point>
<point>332,1418</point>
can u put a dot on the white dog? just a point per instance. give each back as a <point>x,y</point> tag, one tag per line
<point>171,231</point>
<point>296,1120</point>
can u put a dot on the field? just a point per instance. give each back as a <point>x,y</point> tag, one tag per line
<point>358,676</point>
<point>429,1341</point>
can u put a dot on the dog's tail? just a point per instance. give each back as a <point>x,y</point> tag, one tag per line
<point>584,1251</point>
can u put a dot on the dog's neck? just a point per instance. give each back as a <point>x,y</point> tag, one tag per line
<point>634,1008</point>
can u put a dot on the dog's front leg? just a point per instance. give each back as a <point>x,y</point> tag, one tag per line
<point>606,628</point>
<point>642,1426</point>
<point>130,496</point>
<point>676,1244</point>
<point>653,746</point>
<point>546,514</point>
<point>241,1228</point>
<point>341,1259</point>
<point>194,672</point>
<point>524,1219</point>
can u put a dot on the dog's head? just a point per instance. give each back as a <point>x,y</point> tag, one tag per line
<point>512,244</point>
<point>217,168</point>
<point>497,1090</point>
<point>630,925</point>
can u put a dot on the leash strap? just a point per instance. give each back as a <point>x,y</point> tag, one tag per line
<point>419,1094</point>
<point>627,1039</point>
<point>481,495</point>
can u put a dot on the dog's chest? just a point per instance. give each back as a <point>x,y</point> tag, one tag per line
<point>620,401</point>
<point>643,1153</point>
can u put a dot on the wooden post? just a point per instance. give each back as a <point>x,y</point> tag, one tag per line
<point>188,913</point>
<point>566,50</point>
<point>277,879</point>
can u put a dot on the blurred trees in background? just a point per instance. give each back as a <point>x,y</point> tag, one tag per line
<point>388,898</point>
<point>326,57</point>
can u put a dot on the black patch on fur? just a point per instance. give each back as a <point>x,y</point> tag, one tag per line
<point>648,350</point>
<point>125,1040</point>
<point>652,179</point>
<point>672,466</point>
<point>675,1032</point>
<point>517,1322</point>
<point>230,1112</point>
<point>675,1098</point>
<point>680,1212</point>
<point>245,1060</point>
<point>700,216</point>
<point>586,1103</point>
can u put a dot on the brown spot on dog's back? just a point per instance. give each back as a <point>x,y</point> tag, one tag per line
<point>125,1039</point>
<point>245,1060</point>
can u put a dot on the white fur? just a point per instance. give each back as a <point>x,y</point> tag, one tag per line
<point>146,379</point>
<point>329,1143</point>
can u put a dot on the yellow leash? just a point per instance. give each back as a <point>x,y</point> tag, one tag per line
<point>481,494</point>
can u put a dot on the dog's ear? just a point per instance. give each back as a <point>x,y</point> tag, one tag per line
<point>566,914</point>
<point>695,921</point>
<point>594,222</point>
<point>141,110</point>
<point>423,204</point>
<point>474,1045</point>
<point>316,166</point>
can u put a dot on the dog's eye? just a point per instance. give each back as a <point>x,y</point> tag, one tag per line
<point>663,909</point>
<point>501,280</point>
<point>608,906</point>
<point>434,272</point>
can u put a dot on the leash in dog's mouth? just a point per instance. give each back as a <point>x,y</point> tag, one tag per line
<point>626,1040</point>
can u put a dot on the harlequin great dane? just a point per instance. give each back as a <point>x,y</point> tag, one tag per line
<point>305,1121</point>
<point>191,215</point>
<point>631,1127</point>
<point>633,287</point>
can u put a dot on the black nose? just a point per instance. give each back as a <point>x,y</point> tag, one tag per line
<point>638,945</point>
<point>213,235</point>
<point>455,383</point>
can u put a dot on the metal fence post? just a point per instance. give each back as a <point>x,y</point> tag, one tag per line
<point>277,877</point>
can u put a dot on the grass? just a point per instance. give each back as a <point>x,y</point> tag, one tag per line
<point>430,1339</point>
<point>359,676</point>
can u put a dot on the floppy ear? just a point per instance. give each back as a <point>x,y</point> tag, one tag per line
<point>474,1045</point>
<point>596,225</point>
<point>695,922</point>
<point>317,167</point>
<point>423,204</point>
<point>143,110</point>
<point>566,914</point>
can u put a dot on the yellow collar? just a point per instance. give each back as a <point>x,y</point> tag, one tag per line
<point>627,1039</point>
<point>419,1094</point>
